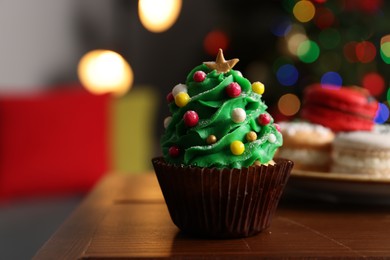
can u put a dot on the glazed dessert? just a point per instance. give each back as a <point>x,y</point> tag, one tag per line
<point>340,109</point>
<point>307,144</point>
<point>362,152</point>
<point>217,172</point>
<point>381,129</point>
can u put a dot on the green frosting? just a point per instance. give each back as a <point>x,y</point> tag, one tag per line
<point>214,108</point>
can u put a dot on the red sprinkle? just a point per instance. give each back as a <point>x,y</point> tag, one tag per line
<point>277,127</point>
<point>170,97</point>
<point>174,151</point>
<point>191,118</point>
<point>233,89</point>
<point>199,76</point>
<point>264,119</point>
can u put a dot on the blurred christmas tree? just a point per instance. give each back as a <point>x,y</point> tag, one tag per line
<point>338,42</point>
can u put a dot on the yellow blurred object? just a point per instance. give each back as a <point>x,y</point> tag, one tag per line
<point>105,71</point>
<point>158,15</point>
<point>289,104</point>
<point>304,11</point>
<point>133,138</point>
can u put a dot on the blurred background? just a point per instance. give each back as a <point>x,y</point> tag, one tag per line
<point>83,84</point>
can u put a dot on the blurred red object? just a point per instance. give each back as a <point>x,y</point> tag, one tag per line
<point>52,143</point>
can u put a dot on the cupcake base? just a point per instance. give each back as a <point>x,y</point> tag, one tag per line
<point>222,203</point>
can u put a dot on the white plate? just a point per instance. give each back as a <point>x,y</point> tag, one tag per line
<point>339,187</point>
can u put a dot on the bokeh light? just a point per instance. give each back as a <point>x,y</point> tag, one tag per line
<point>385,39</point>
<point>382,114</point>
<point>365,51</point>
<point>385,49</point>
<point>332,78</point>
<point>281,26</point>
<point>304,11</point>
<point>329,38</point>
<point>287,75</point>
<point>324,18</point>
<point>308,51</point>
<point>349,51</point>
<point>214,41</point>
<point>105,71</point>
<point>289,104</point>
<point>369,6</point>
<point>293,42</point>
<point>388,95</point>
<point>280,61</point>
<point>374,83</point>
<point>158,15</point>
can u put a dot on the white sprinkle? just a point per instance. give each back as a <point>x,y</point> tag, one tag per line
<point>167,121</point>
<point>238,115</point>
<point>272,138</point>
<point>179,88</point>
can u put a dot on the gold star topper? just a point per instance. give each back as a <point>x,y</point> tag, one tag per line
<point>220,64</point>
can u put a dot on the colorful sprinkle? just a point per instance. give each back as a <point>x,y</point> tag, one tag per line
<point>237,147</point>
<point>233,90</point>
<point>258,87</point>
<point>277,127</point>
<point>264,119</point>
<point>272,138</point>
<point>170,98</point>
<point>199,76</point>
<point>174,151</point>
<point>167,121</point>
<point>182,99</point>
<point>178,89</point>
<point>251,136</point>
<point>238,115</point>
<point>191,118</point>
<point>211,139</point>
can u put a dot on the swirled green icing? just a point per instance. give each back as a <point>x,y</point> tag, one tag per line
<point>213,106</point>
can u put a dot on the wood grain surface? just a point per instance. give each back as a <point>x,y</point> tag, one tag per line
<point>125,217</point>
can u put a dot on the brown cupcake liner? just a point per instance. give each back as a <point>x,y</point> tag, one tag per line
<point>222,203</point>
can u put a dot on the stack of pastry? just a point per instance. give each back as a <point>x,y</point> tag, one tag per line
<point>339,122</point>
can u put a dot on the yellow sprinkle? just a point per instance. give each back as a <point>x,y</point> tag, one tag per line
<point>237,147</point>
<point>258,87</point>
<point>182,99</point>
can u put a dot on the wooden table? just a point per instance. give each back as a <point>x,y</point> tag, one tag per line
<point>126,217</point>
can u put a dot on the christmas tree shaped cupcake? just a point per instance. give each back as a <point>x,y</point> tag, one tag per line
<point>219,120</point>
<point>217,172</point>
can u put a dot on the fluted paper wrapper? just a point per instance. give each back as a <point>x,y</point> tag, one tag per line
<point>222,203</point>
